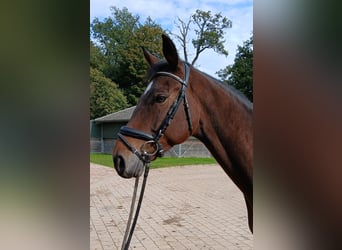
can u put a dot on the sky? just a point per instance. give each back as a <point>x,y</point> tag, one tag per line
<point>165,13</point>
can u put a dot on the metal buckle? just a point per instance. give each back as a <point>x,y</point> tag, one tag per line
<point>144,148</point>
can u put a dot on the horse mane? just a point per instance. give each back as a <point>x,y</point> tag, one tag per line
<point>230,89</point>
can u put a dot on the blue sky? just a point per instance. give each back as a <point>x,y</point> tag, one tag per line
<point>166,12</point>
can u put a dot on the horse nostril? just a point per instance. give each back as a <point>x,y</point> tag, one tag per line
<point>119,164</point>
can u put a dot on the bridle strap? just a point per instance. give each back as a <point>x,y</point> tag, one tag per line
<point>135,133</point>
<point>174,107</point>
<point>177,78</point>
<point>130,147</point>
<point>187,113</point>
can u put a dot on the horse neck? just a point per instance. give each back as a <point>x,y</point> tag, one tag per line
<point>225,127</point>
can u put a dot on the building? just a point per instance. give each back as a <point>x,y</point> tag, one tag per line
<point>104,130</point>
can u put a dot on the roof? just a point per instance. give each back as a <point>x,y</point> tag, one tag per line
<point>120,116</point>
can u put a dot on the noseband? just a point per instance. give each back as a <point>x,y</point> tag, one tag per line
<point>153,140</point>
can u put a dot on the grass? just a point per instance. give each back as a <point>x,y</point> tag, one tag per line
<point>106,160</point>
<point>102,159</point>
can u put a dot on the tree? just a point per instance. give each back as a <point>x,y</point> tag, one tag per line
<point>97,59</point>
<point>209,33</point>
<point>120,38</point>
<point>240,74</point>
<point>105,97</point>
<point>184,28</point>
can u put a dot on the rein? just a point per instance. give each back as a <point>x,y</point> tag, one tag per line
<point>152,140</point>
<point>130,228</point>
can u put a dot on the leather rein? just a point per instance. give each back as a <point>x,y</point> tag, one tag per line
<point>152,140</point>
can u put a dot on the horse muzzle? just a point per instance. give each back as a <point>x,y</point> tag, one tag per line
<point>129,161</point>
<point>129,166</point>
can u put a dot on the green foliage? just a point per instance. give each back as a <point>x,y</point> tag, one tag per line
<point>97,59</point>
<point>240,74</point>
<point>120,38</point>
<point>105,97</point>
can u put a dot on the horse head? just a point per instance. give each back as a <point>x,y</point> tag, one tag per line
<point>159,120</point>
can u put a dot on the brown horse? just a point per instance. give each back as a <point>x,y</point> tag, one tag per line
<point>217,115</point>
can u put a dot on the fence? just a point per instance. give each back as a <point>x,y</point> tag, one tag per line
<point>190,148</point>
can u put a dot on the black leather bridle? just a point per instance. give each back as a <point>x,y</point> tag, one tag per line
<point>153,140</point>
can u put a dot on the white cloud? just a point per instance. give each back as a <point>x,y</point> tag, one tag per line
<point>166,12</point>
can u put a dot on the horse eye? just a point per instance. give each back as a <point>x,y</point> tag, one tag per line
<point>160,98</point>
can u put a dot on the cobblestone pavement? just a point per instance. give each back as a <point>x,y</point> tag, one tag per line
<point>191,207</point>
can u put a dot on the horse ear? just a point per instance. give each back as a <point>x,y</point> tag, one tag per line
<point>151,59</point>
<point>170,51</point>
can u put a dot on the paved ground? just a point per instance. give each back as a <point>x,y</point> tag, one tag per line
<point>192,207</point>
